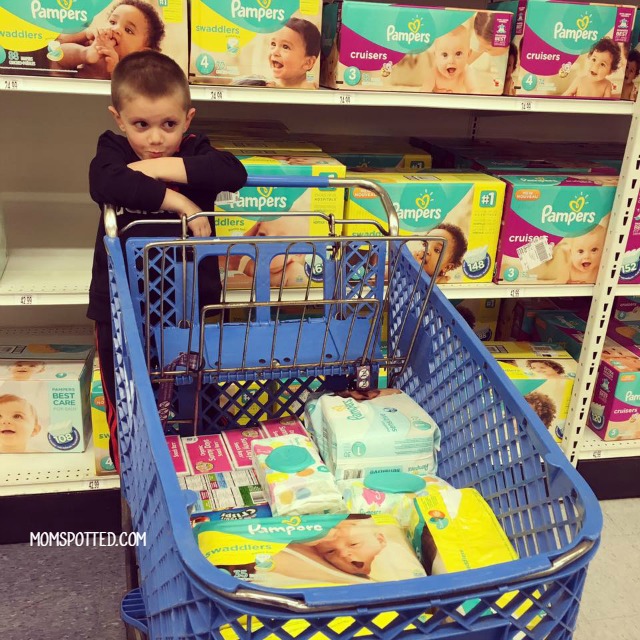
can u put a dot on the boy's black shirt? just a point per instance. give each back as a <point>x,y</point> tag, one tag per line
<point>137,196</point>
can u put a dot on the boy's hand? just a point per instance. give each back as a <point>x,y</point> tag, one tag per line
<point>201,228</point>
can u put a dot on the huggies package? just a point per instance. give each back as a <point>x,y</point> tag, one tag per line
<point>394,47</point>
<point>87,38</point>
<point>553,228</point>
<point>567,49</point>
<point>256,43</point>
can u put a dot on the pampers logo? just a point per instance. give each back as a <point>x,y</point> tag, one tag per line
<point>64,12</point>
<point>410,36</point>
<point>288,527</point>
<point>353,409</point>
<point>262,12</point>
<point>581,33</point>
<point>424,210</point>
<point>632,397</point>
<point>263,200</point>
<point>567,217</point>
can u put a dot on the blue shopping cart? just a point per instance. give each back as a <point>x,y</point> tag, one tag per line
<point>181,360</point>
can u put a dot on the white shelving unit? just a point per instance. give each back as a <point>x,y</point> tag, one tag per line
<point>54,118</point>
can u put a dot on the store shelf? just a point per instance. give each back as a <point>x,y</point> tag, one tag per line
<point>46,276</point>
<point>40,473</point>
<point>592,448</point>
<point>628,290</point>
<point>327,97</point>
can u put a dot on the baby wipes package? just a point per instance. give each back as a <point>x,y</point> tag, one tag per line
<point>274,43</point>
<point>310,551</point>
<point>394,47</point>
<point>87,38</point>
<point>464,208</point>
<point>298,268</point>
<point>45,404</point>
<point>294,478</point>
<point>569,49</point>
<point>100,428</point>
<point>553,228</point>
<point>370,432</point>
<point>388,492</point>
<point>480,314</point>
<point>455,530</point>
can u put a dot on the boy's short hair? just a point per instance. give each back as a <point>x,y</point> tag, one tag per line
<point>150,74</point>
<point>309,33</point>
<point>556,366</point>
<point>484,25</point>
<point>634,56</point>
<point>459,242</point>
<point>155,24</point>
<point>607,45</point>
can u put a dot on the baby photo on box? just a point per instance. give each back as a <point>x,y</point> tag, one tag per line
<point>87,38</point>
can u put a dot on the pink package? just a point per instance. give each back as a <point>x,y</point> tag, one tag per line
<point>626,334</point>
<point>238,443</point>
<point>177,455</point>
<point>283,427</point>
<point>630,267</point>
<point>206,454</point>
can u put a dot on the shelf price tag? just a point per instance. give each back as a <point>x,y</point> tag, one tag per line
<point>11,84</point>
<point>597,454</point>
<point>345,98</point>
<point>527,105</point>
<point>26,299</point>
<point>217,95</point>
<point>514,293</point>
<point>93,484</point>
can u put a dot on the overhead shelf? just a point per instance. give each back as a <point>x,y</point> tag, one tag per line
<point>326,97</point>
<point>628,290</point>
<point>592,448</point>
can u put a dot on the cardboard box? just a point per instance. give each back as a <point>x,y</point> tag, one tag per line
<point>100,426</point>
<point>480,314</point>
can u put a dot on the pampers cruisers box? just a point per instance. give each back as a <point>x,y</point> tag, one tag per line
<point>395,47</point>
<point>257,43</point>
<point>553,228</point>
<point>464,208</point>
<point>87,38</point>
<point>569,49</point>
<point>250,205</point>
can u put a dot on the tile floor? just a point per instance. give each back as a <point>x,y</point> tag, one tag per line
<point>58,593</point>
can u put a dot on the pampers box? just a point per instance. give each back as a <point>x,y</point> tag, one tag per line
<point>45,404</point>
<point>285,201</point>
<point>464,208</point>
<point>480,314</point>
<point>394,47</point>
<point>570,49</point>
<point>630,267</point>
<point>553,228</point>
<point>58,37</point>
<point>258,43</point>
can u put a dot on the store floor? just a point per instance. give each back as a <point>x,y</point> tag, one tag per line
<point>56,593</point>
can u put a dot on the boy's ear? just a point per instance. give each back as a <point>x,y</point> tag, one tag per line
<point>116,117</point>
<point>36,429</point>
<point>309,62</point>
<point>190,114</point>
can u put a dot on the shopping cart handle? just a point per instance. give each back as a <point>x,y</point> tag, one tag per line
<point>321,182</point>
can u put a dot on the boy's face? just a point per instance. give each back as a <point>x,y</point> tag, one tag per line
<point>154,126</point>
<point>17,425</point>
<point>631,72</point>
<point>431,253</point>
<point>288,56</point>
<point>452,54</point>
<point>599,65</point>
<point>24,369</point>
<point>129,30</point>
<point>586,251</point>
<point>353,548</point>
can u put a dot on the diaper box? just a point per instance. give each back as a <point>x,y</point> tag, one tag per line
<point>300,266</point>
<point>464,208</point>
<point>3,243</point>
<point>553,228</point>
<point>626,334</point>
<point>392,47</point>
<point>45,405</point>
<point>100,427</point>
<point>567,49</point>
<point>246,402</point>
<point>563,328</point>
<point>626,308</point>
<point>310,551</point>
<point>503,350</point>
<point>631,77</point>
<point>43,352</point>
<point>86,38</point>
<point>517,317</point>
<point>546,384</point>
<point>614,413</point>
<point>275,43</point>
<point>480,314</point>
<point>630,259</point>
<point>244,145</point>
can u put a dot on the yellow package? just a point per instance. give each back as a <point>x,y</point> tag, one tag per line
<point>464,208</point>
<point>100,427</point>
<point>253,398</point>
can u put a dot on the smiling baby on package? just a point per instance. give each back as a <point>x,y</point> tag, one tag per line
<point>554,228</point>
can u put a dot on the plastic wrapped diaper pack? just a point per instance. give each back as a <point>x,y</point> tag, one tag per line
<point>375,431</point>
<point>294,478</point>
<point>310,551</point>
<point>391,493</point>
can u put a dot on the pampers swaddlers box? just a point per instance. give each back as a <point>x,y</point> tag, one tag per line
<point>50,37</point>
<point>269,43</point>
<point>393,47</point>
<point>568,48</point>
<point>464,208</point>
<point>553,228</point>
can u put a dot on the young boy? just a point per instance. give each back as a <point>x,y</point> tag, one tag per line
<point>603,59</point>
<point>153,171</point>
